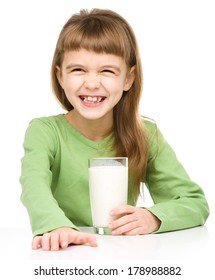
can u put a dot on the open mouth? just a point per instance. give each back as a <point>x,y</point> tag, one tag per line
<point>92,99</point>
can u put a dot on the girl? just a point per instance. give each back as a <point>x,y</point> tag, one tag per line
<point>97,77</point>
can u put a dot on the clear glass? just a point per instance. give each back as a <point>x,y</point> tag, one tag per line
<point>108,185</point>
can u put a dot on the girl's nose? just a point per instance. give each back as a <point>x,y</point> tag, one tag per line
<point>92,81</point>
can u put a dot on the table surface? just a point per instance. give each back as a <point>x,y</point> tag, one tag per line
<point>185,244</point>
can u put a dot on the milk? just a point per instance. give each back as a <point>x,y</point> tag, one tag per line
<point>108,189</point>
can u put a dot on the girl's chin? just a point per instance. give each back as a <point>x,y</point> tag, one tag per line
<point>93,115</point>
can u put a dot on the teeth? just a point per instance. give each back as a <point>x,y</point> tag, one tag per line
<point>92,99</point>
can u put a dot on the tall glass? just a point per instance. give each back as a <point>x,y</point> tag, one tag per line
<point>108,185</point>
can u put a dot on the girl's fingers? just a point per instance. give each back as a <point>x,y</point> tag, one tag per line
<point>46,241</point>
<point>137,221</point>
<point>125,228</point>
<point>135,231</point>
<point>91,240</point>
<point>36,242</point>
<point>127,219</point>
<point>64,240</point>
<point>54,241</point>
<point>61,238</point>
<point>84,238</point>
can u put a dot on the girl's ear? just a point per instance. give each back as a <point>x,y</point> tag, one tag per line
<point>59,75</point>
<point>129,79</point>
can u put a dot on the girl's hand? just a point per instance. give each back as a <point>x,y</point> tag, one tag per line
<point>133,221</point>
<point>61,238</point>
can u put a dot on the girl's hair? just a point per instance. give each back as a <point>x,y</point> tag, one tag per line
<point>104,31</point>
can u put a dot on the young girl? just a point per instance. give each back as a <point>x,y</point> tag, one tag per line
<point>97,77</point>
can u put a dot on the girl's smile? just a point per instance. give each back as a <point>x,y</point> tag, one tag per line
<point>92,101</point>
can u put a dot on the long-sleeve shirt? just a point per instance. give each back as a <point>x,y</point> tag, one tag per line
<point>55,187</point>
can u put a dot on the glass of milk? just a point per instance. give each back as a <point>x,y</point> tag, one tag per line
<point>108,185</point>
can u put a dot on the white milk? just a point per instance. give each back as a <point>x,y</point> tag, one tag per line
<point>108,189</point>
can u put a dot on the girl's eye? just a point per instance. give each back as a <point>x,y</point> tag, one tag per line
<point>108,71</point>
<point>77,70</point>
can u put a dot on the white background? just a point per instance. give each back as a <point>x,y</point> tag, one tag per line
<point>177,43</point>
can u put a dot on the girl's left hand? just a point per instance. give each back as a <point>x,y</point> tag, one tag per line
<point>133,221</point>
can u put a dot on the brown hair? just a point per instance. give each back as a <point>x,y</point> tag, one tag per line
<point>104,31</point>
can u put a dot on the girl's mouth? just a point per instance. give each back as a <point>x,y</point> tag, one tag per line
<point>92,99</point>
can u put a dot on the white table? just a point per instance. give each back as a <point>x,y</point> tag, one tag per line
<point>186,244</point>
<point>192,249</point>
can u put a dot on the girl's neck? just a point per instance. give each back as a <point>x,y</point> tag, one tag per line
<point>95,130</point>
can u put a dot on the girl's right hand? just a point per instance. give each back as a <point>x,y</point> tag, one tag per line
<point>62,238</point>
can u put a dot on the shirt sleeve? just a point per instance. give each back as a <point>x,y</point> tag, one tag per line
<point>179,202</point>
<point>40,145</point>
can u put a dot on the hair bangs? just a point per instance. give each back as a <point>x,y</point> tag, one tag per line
<point>100,37</point>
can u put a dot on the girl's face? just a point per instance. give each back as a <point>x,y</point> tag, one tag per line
<point>94,83</point>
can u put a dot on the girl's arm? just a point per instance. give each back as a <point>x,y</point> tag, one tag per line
<point>40,146</point>
<point>179,202</point>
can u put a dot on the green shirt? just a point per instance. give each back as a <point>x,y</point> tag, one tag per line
<point>54,178</point>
